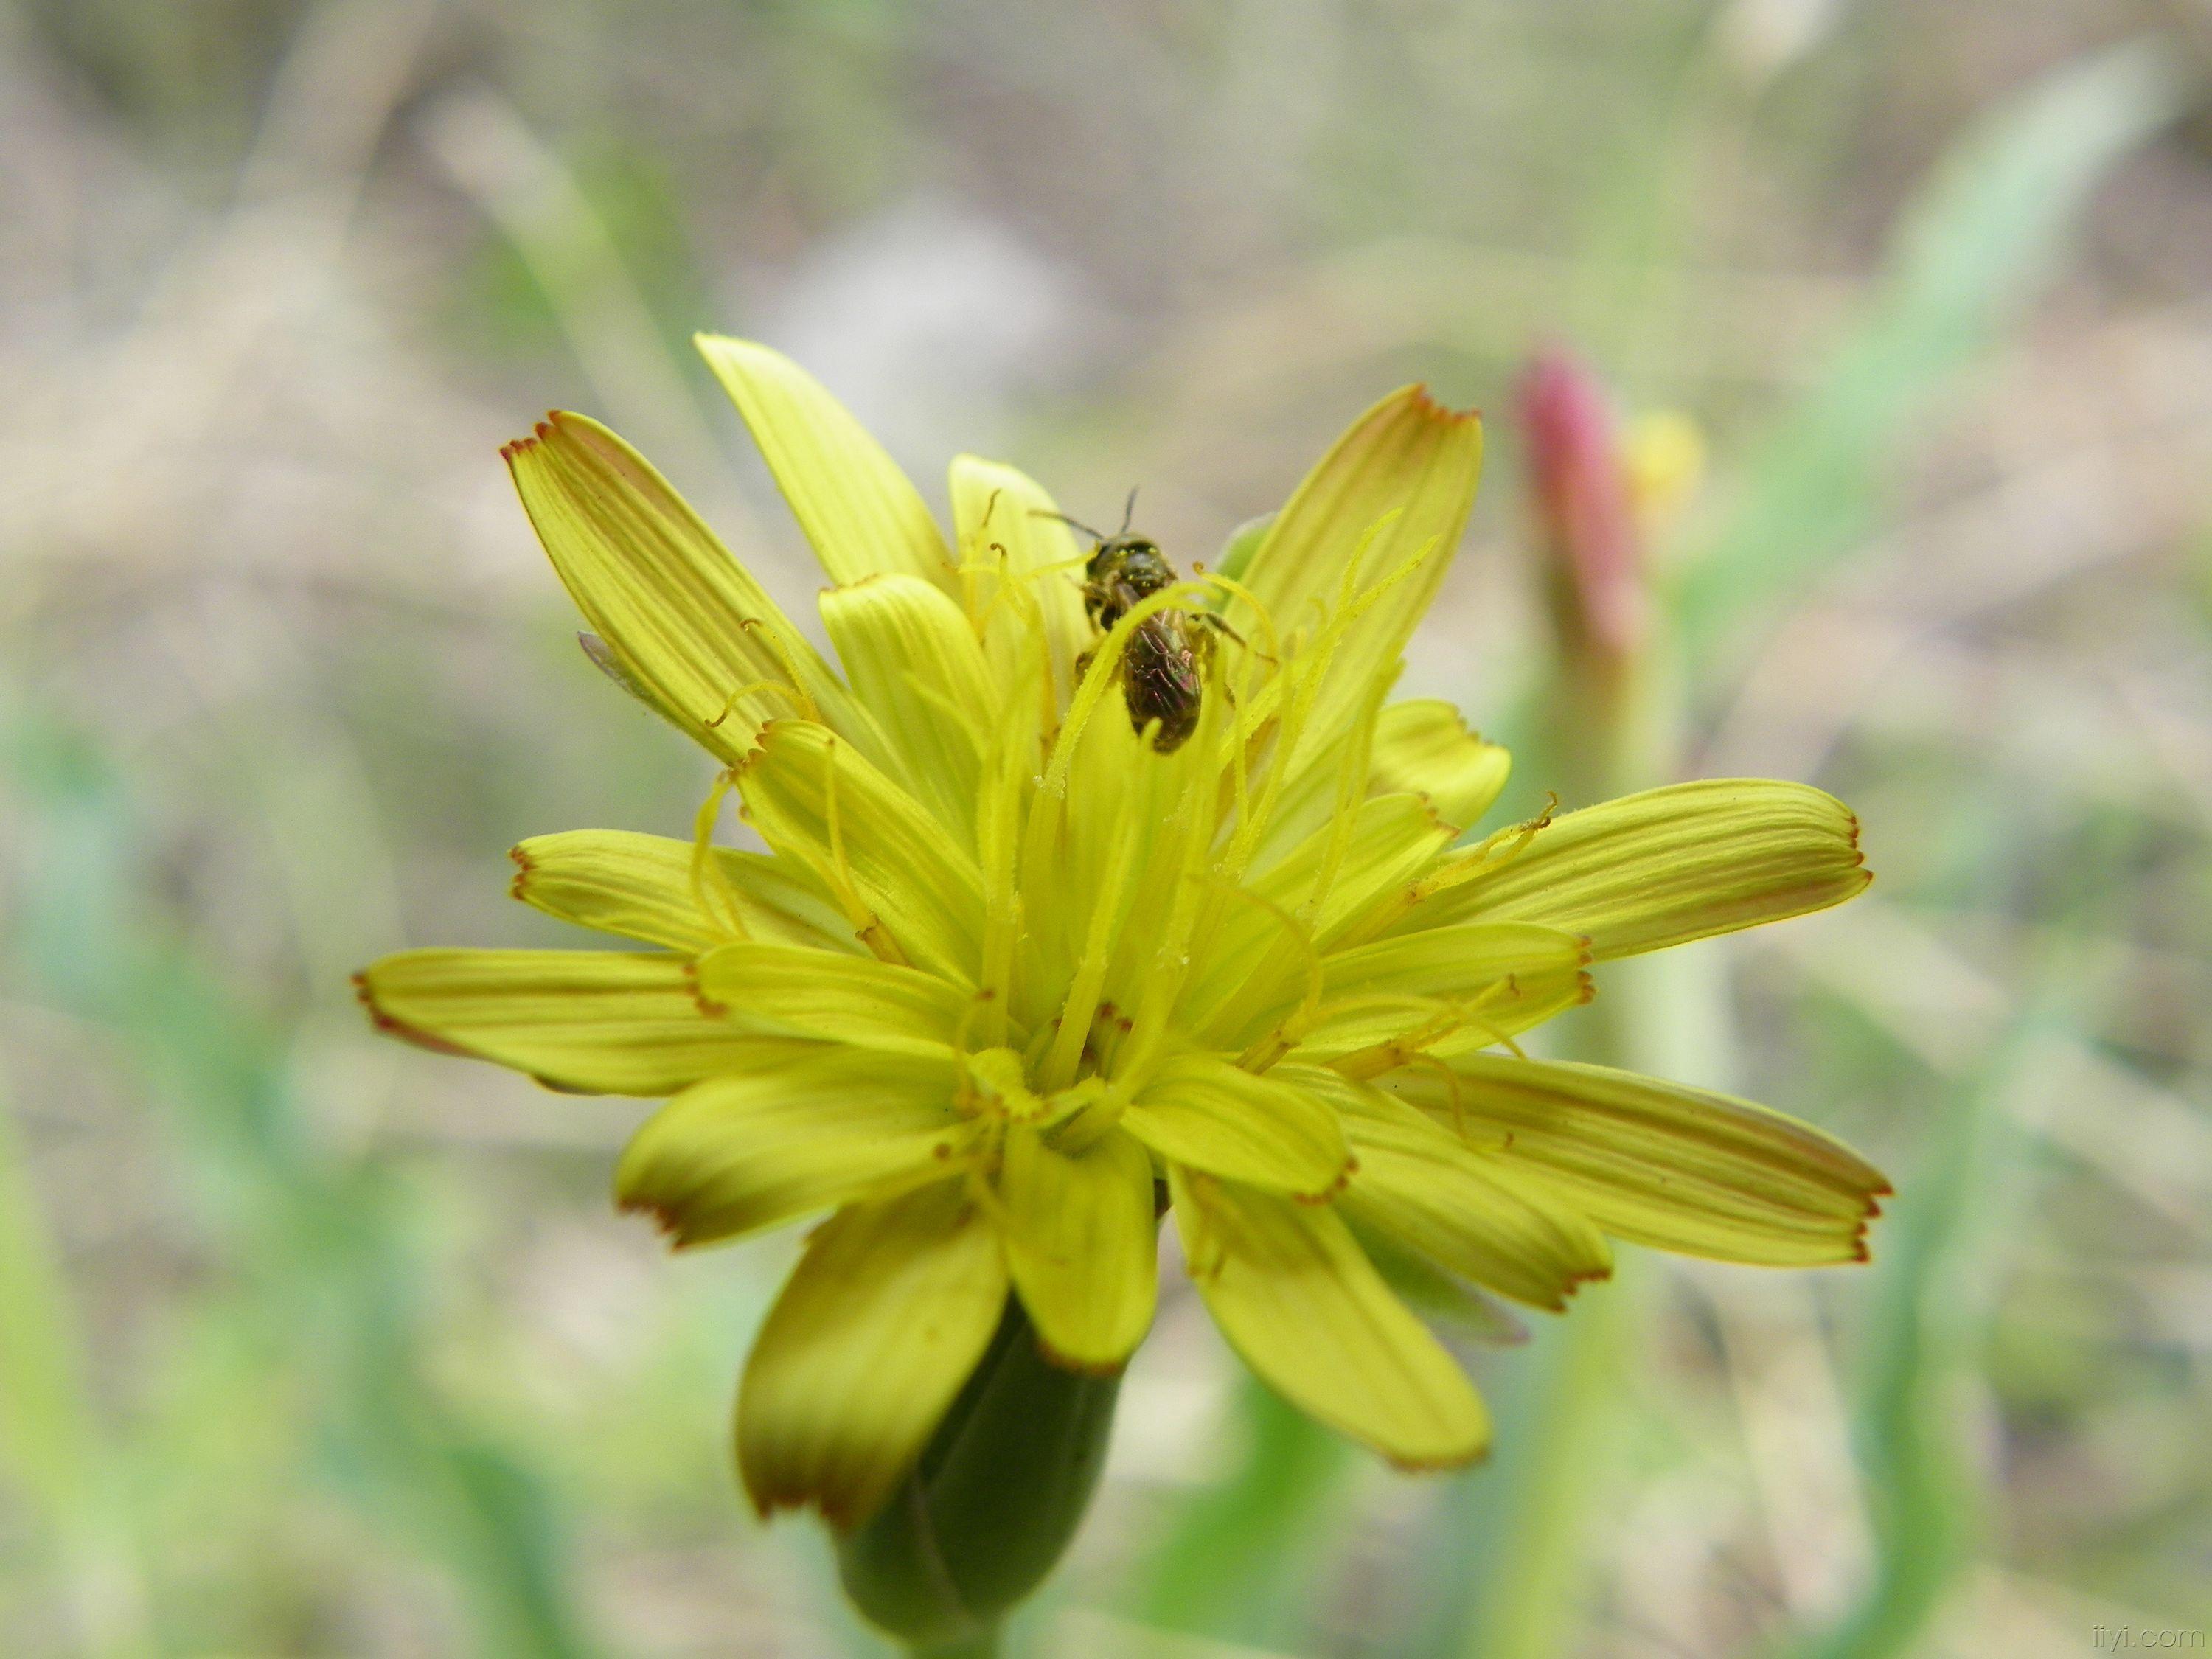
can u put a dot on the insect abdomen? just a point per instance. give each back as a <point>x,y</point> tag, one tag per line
<point>1161,680</point>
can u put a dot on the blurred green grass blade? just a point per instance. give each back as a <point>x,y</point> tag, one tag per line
<point>53,1450</point>
<point>46,1431</point>
<point>331,1275</point>
<point>1921,1491</point>
<point>576,259</point>
<point>1235,1560</point>
<point>1923,1345</point>
<point>511,1529</point>
<point>1520,1524</point>
<point>1940,1257</point>
<point>1987,229</point>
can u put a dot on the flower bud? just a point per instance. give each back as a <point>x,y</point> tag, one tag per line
<point>991,1503</point>
<point>1585,508</point>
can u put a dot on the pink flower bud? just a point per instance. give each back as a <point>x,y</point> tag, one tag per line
<point>1585,509</point>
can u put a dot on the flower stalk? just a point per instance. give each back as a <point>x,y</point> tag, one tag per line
<point>1614,725</point>
<point>1608,718</point>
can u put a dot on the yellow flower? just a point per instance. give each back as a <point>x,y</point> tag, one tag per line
<point>1009,977</point>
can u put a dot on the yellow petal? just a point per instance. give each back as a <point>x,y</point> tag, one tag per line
<point>593,1022</point>
<point>1411,753</point>
<point>1455,1307</point>
<point>1298,1299</point>
<point>1457,963</point>
<point>995,508</point>
<point>1423,745</point>
<point>1469,1212</point>
<point>912,660</point>
<point>1248,963</point>
<point>884,1317</point>
<point>904,885</point>
<point>818,1127</point>
<point>1502,977</point>
<point>1202,1111</point>
<point>685,623</point>
<point>862,515</point>
<point>1393,838</point>
<point>791,990</point>
<point>1681,1169</point>
<point>1081,1243</point>
<point>1665,866</point>
<point>641,886</point>
<point>1408,455</point>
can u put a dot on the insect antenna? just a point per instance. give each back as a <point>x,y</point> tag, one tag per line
<point>1128,512</point>
<point>1074,523</point>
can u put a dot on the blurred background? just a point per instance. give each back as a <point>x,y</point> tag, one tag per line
<point>313,1345</point>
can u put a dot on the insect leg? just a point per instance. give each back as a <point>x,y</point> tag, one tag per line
<point>1220,627</point>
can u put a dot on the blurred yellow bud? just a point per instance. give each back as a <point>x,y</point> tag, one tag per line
<point>1666,463</point>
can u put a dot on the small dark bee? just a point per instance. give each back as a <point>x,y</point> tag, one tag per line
<point>1163,668</point>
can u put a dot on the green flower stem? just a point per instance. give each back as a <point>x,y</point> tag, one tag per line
<point>1553,1462</point>
<point>1615,726</point>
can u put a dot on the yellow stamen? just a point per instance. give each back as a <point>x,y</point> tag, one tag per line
<point>1081,1005</point>
<point>1303,677</point>
<point>1351,790</point>
<point>1454,1089</point>
<point>730,704</point>
<point>971,569</point>
<point>1242,738</point>
<point>1025,603</point>
<point>712,889</point>
<point>1183,866</point>
<point>1493,852</point>
<point>866,924</point>
<point>780,649</point>
<point>1287,1031</point>
<point>1387,1056</point>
